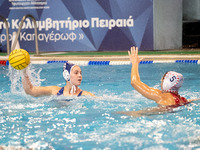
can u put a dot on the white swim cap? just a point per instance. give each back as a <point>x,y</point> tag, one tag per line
<point>172,81</point>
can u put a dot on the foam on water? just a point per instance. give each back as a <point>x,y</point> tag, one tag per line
<point>91,123</point>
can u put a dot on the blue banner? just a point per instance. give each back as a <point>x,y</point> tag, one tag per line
<point>80,25</point>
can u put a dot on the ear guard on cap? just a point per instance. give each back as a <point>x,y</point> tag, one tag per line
<point>66,70</point>
<point>66,75</point>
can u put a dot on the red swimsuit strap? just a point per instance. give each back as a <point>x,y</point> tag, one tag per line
<point>179,100</point>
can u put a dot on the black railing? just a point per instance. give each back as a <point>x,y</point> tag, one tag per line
<point>7,33</point>
<point>35,29</point>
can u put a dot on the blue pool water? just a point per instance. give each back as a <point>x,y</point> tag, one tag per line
<point>91,123</point>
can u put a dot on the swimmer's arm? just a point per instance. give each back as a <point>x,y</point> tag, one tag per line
<point>145,90</point>
<point>192,100</point>
<point>87,93</point>
<point>37,91</point>
<point>146,112</point>
<point>148,92</point>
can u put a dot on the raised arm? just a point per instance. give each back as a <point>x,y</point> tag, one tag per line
<point>37,90</point>
<point>145,90</point>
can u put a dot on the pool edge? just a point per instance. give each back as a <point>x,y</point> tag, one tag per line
<point>109,60</point>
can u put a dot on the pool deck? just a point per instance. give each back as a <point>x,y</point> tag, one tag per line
<point>110,58</point>
<point>60,56</point>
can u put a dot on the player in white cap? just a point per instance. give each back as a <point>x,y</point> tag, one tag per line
<point>71,73</point>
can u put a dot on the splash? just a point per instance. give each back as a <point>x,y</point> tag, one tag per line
<point>16,78</point>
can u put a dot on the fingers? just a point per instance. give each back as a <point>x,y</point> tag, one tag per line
<point>136,50</point>
<point>140,59</point>
<point>129,53</point>
<point>133,50</point>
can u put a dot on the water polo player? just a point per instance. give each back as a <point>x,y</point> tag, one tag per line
<point>166,98</point>
<point>71,73</point>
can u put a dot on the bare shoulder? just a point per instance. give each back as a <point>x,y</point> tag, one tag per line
<point>87,93</point>
<point>160,97</point>
<point>166,99</point>
<point>54,89</point>
<point>154,94</point>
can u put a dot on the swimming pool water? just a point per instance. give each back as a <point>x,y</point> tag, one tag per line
<point>91,123</point>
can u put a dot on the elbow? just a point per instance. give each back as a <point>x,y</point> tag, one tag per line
<point>31,92</point>
<point>28,92</point>
<point>133,82</point>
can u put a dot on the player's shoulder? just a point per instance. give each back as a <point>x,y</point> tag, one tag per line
<point>87,93</point>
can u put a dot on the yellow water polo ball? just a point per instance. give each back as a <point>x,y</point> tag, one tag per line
<point>19,59</point>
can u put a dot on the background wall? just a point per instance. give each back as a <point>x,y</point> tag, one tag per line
<point>167,24</point>
<point>191,10</point>
<point>191,23</point>
<point>104,25</point>
<point>81,25</point>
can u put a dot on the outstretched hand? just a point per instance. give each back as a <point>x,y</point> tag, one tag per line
<point>133,55</point>
<point>24,72</point>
